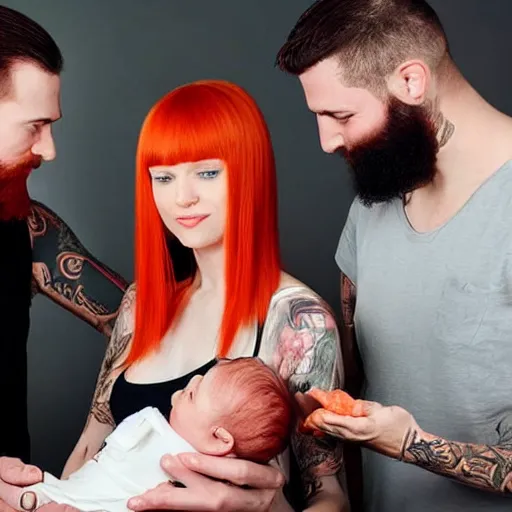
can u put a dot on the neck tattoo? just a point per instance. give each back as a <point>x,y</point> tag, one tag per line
<point>444,129</point>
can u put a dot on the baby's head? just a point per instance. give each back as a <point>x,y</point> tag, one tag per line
<point>241,407</point>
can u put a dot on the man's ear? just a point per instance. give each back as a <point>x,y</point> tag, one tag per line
<point>410,82</point>
<point>221,442</point>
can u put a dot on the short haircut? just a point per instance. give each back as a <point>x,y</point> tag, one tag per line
<point>371,38</point>
<point>24,40</point>
<point>260,412</point>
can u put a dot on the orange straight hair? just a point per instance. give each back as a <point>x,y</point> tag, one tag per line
<point>207,120</point>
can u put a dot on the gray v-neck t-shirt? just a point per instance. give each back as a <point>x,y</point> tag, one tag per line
<point>434,327</point>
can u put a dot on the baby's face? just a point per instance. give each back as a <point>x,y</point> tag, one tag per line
<point>196,409</point>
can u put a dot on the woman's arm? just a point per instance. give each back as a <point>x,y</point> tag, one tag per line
<point>306,353</point>
<point>100,422</point>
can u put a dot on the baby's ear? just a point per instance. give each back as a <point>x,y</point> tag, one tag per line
<point>222,441</point>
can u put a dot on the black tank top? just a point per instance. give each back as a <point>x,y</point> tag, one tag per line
<point>127,398</point>
<point>15,298</point>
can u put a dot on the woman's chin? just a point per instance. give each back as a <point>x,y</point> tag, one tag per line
<point>199,243</point>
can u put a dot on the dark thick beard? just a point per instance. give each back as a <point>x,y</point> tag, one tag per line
<point>14,198</point>
<point>398,159</point>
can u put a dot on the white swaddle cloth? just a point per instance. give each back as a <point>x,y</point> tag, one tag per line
<point>127,465</point>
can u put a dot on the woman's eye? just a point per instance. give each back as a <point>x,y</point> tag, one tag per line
<point>162,179</point>
<point>208,174</point>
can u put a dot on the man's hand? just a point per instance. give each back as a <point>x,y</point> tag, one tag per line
<point>383,429</point>
<point>13,476</point>
<point>222,491</point>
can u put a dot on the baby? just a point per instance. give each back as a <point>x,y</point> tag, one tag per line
<point>240,408</point>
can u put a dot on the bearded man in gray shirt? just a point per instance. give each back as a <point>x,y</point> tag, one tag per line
<point>425,254</point>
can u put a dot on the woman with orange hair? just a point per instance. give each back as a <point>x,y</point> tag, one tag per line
<point>208,285</point>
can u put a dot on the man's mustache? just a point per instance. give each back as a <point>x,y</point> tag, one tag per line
<point>22,166</point>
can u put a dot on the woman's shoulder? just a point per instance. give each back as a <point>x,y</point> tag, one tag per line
<point>126,313</point>
<point>300,337</point>
<point>128,300</point>
<point>291,290</point>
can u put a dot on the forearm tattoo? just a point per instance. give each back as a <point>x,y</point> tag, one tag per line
<point>306,355</point>
<point>116,350</point>
<point>68,274</point>
<point>482,466</point>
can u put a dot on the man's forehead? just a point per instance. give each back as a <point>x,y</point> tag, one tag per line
<point>35,89</point>
<point>324,88</point>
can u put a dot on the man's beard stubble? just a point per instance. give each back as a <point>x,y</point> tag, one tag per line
<point>398,159</point>
<point>14,197</point>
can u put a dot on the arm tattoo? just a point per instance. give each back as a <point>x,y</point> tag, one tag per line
<point>68,274</point>
<point>348,301</point>
<point>116,349</point>
<point>354,377</point>
<point>352,364</point>
<point>307,354</point>
<point>482,466</point>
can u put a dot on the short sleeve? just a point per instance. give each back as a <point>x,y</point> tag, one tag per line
<point>346,253</point>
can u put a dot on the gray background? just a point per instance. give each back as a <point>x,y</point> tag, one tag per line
<point>121,56</point>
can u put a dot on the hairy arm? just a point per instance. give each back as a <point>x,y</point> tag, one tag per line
<point>68,274</point>
<point>486,467</point>
<point>100,422</point>
<point>307,355</point>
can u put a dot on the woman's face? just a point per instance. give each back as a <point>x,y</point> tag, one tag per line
<point>191,198</point>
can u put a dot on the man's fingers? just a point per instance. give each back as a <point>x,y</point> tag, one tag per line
<point>201,491</point>
<point>10,495</point>
<point>180,474</point>
<point>5,508</point>
<point>330,422</point>
<point>166,497</point>
<point>55,507</point>
<point>13,471</point>
<point>237,471</point>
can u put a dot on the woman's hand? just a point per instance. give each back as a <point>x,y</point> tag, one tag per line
<point>211,484</point>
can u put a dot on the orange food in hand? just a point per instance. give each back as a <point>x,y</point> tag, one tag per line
<point>337,401</point>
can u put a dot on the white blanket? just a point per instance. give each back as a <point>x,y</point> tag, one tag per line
<point>127,465</point>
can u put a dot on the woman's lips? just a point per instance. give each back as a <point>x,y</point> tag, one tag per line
<point>191,221</point>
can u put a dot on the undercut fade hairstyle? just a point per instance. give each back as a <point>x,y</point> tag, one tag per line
<point>24,40</point>
<point>371,38</point>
